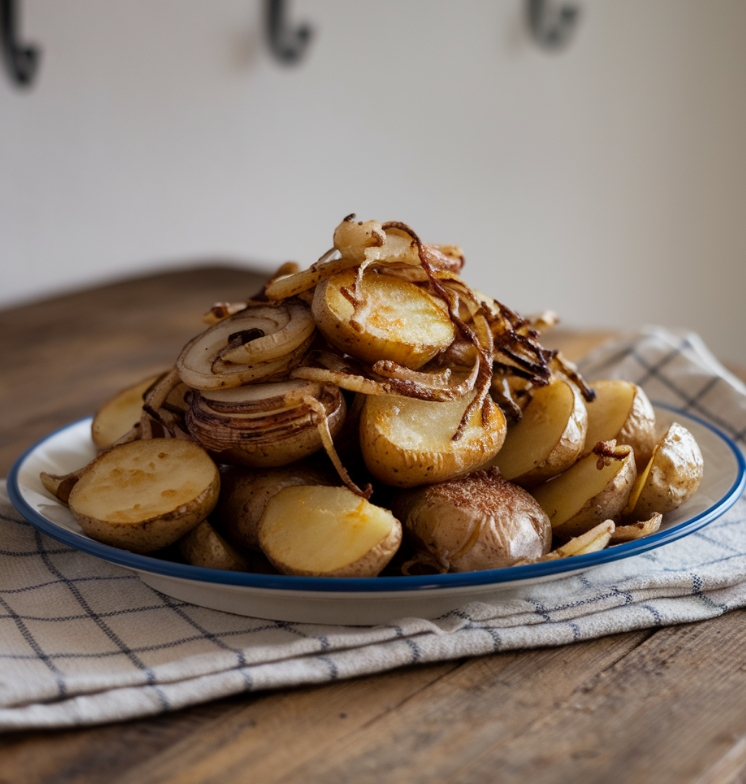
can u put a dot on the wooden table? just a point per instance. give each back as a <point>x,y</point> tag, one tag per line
<point>663,705</point>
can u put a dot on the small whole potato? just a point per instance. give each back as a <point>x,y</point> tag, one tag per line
<point>478,521</point>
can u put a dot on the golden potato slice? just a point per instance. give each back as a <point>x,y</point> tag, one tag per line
<point>592,541</point>
<point>478,521</point>
<point>244,495</point>
<point>671,476</point>
<point>548,438</point>
<point>628,533</point>
<point>398,320</point>
<point>327,532</point>
<point>593,490</point>
<point>119,414</point>
<point>144,495</point>
<point>204,546</point>
<point>407,442</point>
<point>621,411</point>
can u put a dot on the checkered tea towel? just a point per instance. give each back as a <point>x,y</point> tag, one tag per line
<point>85,642</point>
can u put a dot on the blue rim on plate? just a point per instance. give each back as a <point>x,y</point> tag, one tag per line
<point>145,563</point>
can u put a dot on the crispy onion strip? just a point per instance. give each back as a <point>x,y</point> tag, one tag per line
<point>322,425</point>
<point>484,377</point>
<point>571,371</point>
<point>344,380</point>
<point>426,386</point>
<point>325,267</point>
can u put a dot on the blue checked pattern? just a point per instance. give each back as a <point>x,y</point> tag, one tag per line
<point>84,642</point>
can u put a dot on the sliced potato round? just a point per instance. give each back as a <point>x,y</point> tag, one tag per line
<point>407,442</point>
<point>145,495</point>
<point>593,490</point>
<point>327,532</point>
<point>548,438</point>
<point>244,495</point>
<point>119,414</point>
<point>204,546</point>
<point>396,320</point>
<point>671,476</point>
<point>478,521</point>
<point>622,412</point>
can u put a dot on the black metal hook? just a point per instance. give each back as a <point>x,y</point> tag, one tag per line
<point>551,26</point>
<point>288,45</point>
<point>21,62</point>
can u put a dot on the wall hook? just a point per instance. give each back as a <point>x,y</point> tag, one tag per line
<point>551,25</point>
<point>287,44</point>
<point>21,62</point>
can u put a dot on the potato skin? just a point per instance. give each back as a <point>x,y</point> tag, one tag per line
<point>244,496</point>
<point>674,475</point>
<point>478,521</point>
<point>203,546</point>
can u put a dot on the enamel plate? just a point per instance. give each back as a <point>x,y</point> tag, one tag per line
<point>355,601</point>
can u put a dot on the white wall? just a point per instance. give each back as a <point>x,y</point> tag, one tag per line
<point>607,182</point>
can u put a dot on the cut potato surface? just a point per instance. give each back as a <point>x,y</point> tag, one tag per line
<point>621,411</point>
<point>397,320</point>
<point>671,477</point>
<point>593,490</point>
<point>327,531</point>
<point>407,442</point>
<point>144,495</point>
<point>119,414</point>
<point>548,438</point>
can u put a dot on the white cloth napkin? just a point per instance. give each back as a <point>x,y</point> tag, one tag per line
<point>85,642</point>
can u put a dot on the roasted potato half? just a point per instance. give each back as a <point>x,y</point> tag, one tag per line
<point>145,495</point>
<point>327,532</point>
<point>407,442</point>
<point>593,490</point>
<point>548,438</point>
<point>396,320</point>
<point>478,521</point>
<point>119,414</point>
<point>622,412</point>
<point>671,477</point>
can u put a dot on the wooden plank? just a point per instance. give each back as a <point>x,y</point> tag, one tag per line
<point>263,739</point>
<point>95,755</point>
<point>156,749</point>
<point>301,737</point>
<point>672,711</point>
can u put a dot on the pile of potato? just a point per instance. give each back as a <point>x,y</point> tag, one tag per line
<point>376,373</point>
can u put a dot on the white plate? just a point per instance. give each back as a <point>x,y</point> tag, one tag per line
<point>355,601</point>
